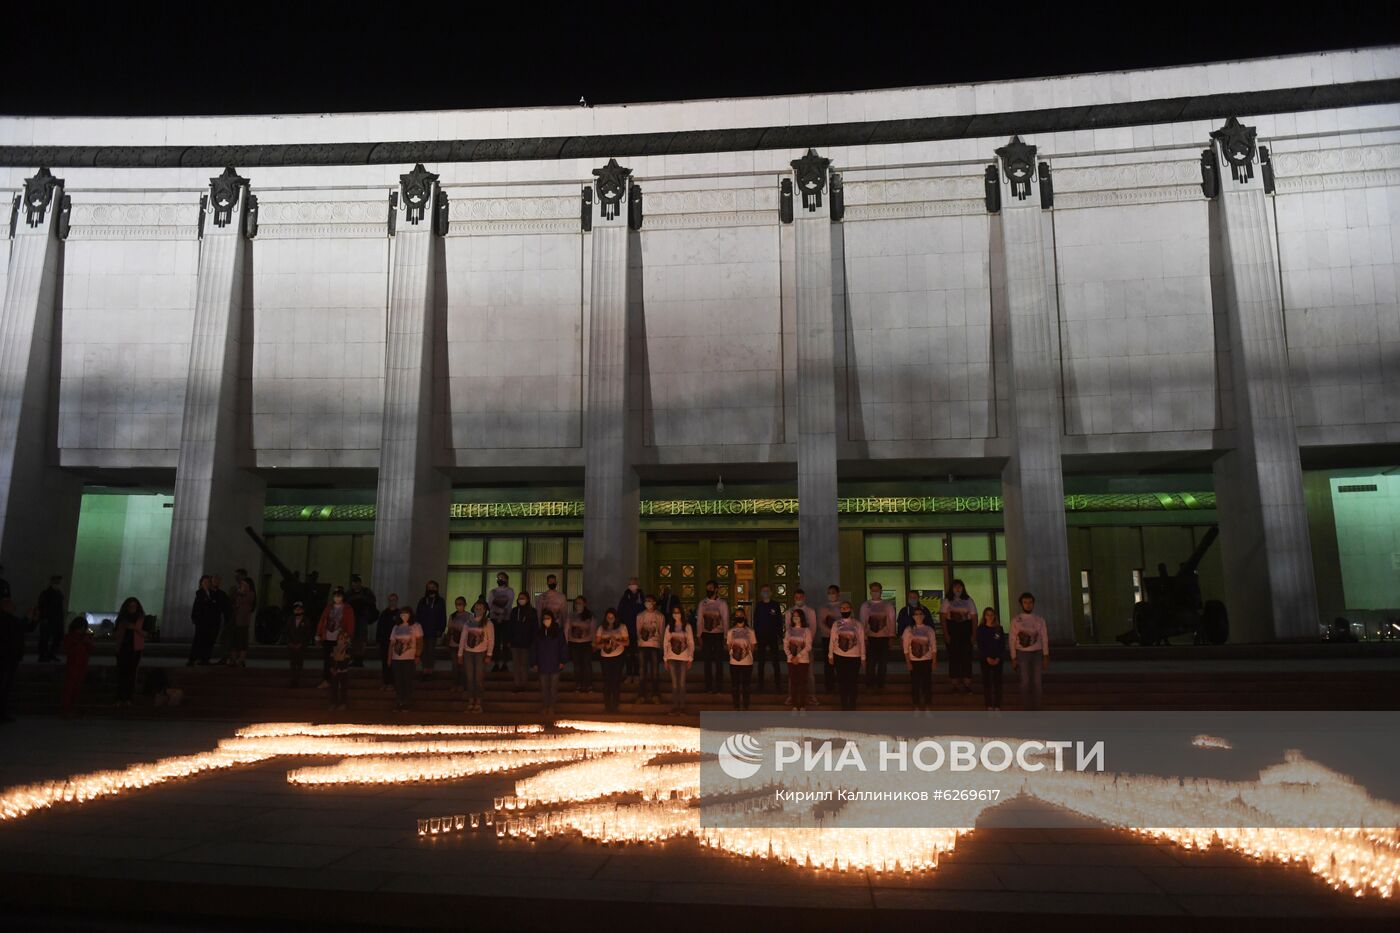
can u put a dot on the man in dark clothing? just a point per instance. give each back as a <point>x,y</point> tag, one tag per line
<point>362,603</point>
<point>207,616</point>
<point>383,629</point>
<point>768,631</point>
<point>51,607</point>
<point>13,630</point>
<point>906,614</point>
<point>225,604</point>
<point>629,604</point>
<point>432,618</point>
<point>665,601</point>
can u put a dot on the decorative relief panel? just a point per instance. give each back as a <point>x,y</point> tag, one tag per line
<point>300,219</point>
<point>1333,169</point>
<point>133,221</point>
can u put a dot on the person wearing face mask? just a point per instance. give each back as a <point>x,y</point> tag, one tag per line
<point>432,618</point>
<point>799,603</point>
<point>336,618</point>
<point>475,645</point>
<point>405,645</point>
<point>629,604</point>
<point>548,652</point>
<point>649,625</point>
<point>846,653</point>
<point>554,601</point>
<point>455,623</point>
<point>579,632</point>
<point>383,629</point>
<point>959,616</point>
<point>797,645</point>
<point>877,618</point>
<point>610,641</point>
<point>678,650</point>
<point>499,603</point>
<point>768,629</point>
<point>921,653</point>
<point>906,614</point>
<point>740,644</point>
<point>827,616</point>
<point>521,626</point>
<point>666,600</point>
<point>712,616</point>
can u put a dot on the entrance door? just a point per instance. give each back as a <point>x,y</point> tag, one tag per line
<point>740,564</point>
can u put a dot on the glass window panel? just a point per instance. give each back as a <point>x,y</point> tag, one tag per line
<point>466,551</point>
<point>506,551</point>
<point>884,548</point>
<point>972,547</point>
<point>1006,610</point>
<point>546,550</point>
<point>575,587</point>
<point>461,583</point>
<point>926,578</point>
<point>978,581</point>
<point>576,551</point>
<point>891,580</point>
<point>926,547</point>
<point>1001,546</point>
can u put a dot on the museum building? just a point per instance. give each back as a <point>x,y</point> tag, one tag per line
<point>1034,334</point>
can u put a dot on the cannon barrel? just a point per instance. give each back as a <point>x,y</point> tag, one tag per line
<point>1194,561</point>
<point>287,574</point>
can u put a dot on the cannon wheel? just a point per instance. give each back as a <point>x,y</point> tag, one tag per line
<point>1215,622</point>
<point>1145,624</point>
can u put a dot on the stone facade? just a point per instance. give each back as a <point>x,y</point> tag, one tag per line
<point>1110,320</point>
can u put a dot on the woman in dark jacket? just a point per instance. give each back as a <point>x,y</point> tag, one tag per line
<point>549,652</point>
<point>130,633</point>
<point>521,628</point>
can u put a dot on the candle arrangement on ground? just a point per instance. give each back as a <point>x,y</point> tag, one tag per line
<point>619,783</point>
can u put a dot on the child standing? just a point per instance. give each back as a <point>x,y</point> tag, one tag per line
<point>340,670</point>
<point>991,649</point>
<point>475,645</point>
<point>739,643</point>
<point>649,625</point>
<point>1030,650</point>
<point>678,645</point>
<point>797,645</point>
<point>611,642</point>
<point>405,647</point>
<point>921,653</point>
<point>77,648</point>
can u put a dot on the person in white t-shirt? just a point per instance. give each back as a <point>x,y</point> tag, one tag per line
<point>797,648</point>
<point>650,622</point>
<point>827,616</point>
<point>921,654</point>
<point>405,647</point>
<point>846,652</point>
<point>1030,651</point>
<point>678,651</point>
<point>740,643</point>
<point>610,640</point>
<point>877,617</point>
<point>477,641</point>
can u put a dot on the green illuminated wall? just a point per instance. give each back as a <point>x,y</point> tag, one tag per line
<point>123,540</point>
<point>1367,511</point>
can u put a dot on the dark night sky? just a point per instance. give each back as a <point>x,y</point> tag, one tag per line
<point>154,58</point>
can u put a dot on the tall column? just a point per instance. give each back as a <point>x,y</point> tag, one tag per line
<point>1033,486</point>
<point>1263,514</point>
<point>216,494</point>
<point>818,303</point>
<point>611,491</point>
<point>38,502</point>
<point>414,496</point>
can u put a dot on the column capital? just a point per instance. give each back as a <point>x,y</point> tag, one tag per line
<point>41,199</point>
<point>613,198</point>
<point>420,194</point>
<point>1236,146</point>
<point>1015,176</point>
<point>814,179</point>
<point>230,205</point>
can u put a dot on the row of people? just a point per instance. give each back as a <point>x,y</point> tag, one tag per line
<point>544,639</point>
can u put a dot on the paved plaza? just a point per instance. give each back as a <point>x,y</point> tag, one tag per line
<point>243,845</point>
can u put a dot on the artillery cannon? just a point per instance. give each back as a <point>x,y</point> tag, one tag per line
<point>311,593</point>
<point>1172,605</point>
